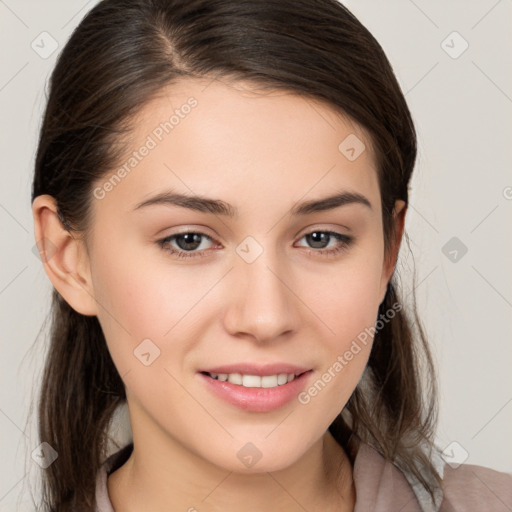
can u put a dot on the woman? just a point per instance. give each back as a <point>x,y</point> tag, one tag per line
<point>219,195</point>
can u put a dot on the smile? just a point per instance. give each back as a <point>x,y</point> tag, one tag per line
<point>254,381</point>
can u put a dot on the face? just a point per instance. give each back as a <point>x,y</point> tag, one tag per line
<point>255,278</point>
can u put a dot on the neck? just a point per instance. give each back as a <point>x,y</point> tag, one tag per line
<point>320,480</point>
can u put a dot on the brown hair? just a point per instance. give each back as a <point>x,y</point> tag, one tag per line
<point>120,56</point>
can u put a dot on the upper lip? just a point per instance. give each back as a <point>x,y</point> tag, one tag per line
<point>257,369</point>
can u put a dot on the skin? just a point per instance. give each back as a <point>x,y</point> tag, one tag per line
<point>262,153</point>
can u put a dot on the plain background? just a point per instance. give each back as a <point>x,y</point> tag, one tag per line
<point>458,221</point>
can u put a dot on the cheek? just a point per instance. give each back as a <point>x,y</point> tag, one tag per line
<point>347,299</point>
<point>348,304</point>
<point>350,311</point>
<point>141,301</point>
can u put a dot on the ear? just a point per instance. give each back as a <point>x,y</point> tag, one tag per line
<point>399,212</point>
<point>64,256</point>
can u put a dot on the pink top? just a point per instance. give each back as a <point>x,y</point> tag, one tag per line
<point>382,487</point>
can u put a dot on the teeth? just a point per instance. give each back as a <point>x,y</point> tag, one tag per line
<point>254,381</point>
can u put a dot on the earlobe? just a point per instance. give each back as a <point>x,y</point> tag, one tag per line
<point>64,256</point>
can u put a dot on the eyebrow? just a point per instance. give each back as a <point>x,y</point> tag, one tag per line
<point>219,207</point>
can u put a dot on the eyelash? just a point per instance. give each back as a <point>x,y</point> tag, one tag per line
<point>344,240</point>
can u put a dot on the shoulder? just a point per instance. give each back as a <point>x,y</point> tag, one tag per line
<point>113,462</point>
<point>380,485</point>
<point>475,488</point>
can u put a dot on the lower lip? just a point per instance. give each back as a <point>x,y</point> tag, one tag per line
<point>256,399</point>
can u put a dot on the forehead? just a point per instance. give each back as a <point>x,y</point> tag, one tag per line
<point>248,109</point>
<point>229,140</point>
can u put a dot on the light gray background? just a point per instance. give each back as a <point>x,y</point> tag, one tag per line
<point>462,188</point>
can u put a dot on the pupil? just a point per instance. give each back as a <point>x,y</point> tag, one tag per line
<point>318,238</point>
<point>193,239</point>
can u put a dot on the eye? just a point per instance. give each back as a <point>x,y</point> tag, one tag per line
<point>319,238</point>
<point>187,242</point>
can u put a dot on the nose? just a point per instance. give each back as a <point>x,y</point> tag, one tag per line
<point>262,304</point>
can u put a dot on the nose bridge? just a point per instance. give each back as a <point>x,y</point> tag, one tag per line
<point>261,304</point>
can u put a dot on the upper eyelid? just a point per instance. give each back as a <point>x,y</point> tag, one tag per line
<point>167,239</point>
<point>186,231</point>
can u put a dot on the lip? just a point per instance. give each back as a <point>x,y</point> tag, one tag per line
<point>255,369</point>
<point>256,399</point>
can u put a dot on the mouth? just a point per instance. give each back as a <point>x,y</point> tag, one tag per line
<point>255,381</point>
<point>258,389</point>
